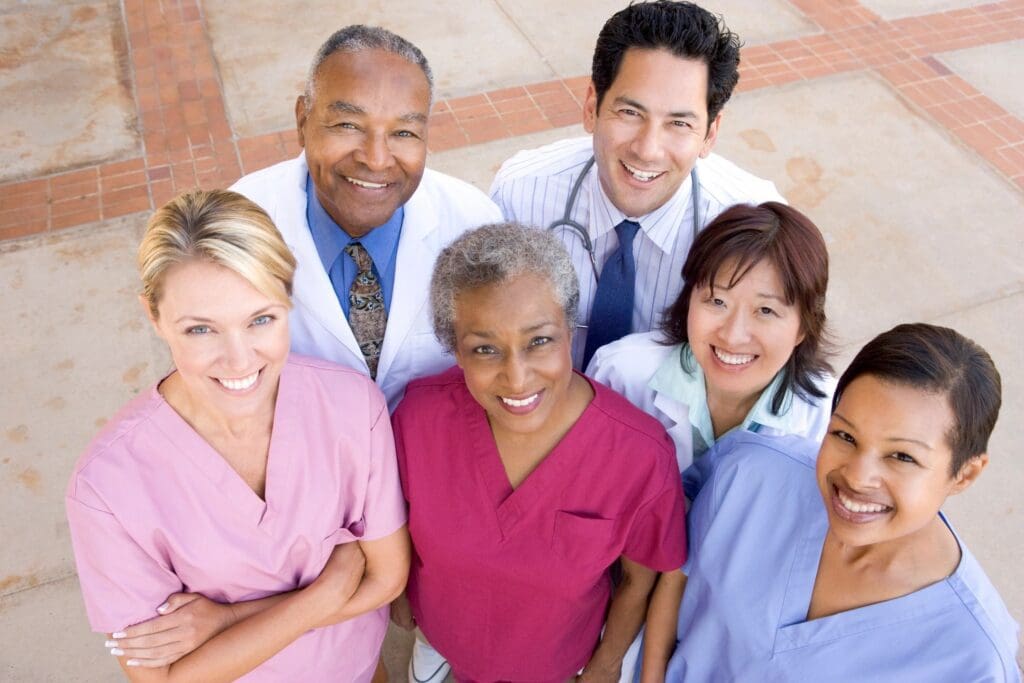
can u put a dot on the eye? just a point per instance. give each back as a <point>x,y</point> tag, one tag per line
<point>679,123</point>
<point>405,134</point>
<point>263,320</point>
<point>629,112</point>
<point>198,330</point>
<point>485,350</point>
<point>540,341</point>
<point>767,310</point>
<point>904,457</point>
<point>843,436</point>
<point>715,301</point>
<point>347,125</point>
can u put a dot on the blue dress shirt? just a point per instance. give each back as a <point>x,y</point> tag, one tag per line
<point>330,240</point>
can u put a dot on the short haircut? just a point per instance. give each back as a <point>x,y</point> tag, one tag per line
<point>495,254</point>
<point>357,38</point>
<point>942,361</point>
<point>683,29</point>
<point>216,226</point>
<point>740,238</point>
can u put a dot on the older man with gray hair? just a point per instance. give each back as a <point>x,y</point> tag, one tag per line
<point>363,215</point>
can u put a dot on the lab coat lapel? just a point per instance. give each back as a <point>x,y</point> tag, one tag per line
<point>681,431</point>
<point>413,268</point>
<point>312,289</point>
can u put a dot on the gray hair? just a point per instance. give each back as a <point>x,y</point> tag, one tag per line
<point>357,38</point>
<point>494,254</point>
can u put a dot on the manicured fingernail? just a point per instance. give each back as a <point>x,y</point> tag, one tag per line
<point>116,651</point>
<point>119,634</point>
<point>132,662</point>
<point>163,608</point>
<point>110,643</point>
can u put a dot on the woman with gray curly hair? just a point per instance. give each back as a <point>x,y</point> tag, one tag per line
<point>526,482</point>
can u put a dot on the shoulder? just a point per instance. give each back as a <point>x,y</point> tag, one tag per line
<point>627,422</point>
<point>634,358</point>
<point>263,186</point>
<point>333,384</point>
<point>557,158</point>
<point>113,451</point>
<point>453,200</point>
<point>728,184</point>
<point>429,397</point>
<point>980,598</point>
<point>763,458</point>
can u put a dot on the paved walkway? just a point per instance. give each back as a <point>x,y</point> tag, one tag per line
<point>898,125</point>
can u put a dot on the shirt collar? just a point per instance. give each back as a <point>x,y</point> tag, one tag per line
<point>661,225</point>
<point>681,378</point>
<point>330,239</point>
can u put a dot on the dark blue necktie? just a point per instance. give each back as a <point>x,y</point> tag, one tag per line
<point>612,315</point>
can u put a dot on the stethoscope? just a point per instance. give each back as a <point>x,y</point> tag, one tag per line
<point>566,220</point>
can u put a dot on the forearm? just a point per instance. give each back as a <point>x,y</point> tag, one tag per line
<point>625,617</point>
<point>662,616</point>
<point>239,611</point>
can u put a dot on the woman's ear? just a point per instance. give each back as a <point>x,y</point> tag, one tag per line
<point>969,473</point>
<point>144,302</point>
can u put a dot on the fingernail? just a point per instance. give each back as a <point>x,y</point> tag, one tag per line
<point>110,643</point>
<point>119,634</point>
<point>132,662</point>
<point>116,651</point>
<point>163,608</point>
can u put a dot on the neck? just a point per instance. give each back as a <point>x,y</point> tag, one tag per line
<point>728,412</point>
<point>208,420</point>
<point>916,560</point>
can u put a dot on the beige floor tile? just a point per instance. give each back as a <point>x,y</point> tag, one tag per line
<point>916,225</point>
<point>47,640</point>
<point>477,164</point>
<point>565,32</point>
<point>264,49</point>
<point>65,87</point>
<point>994,70</point>
<point>896,9</point>
<point>76,347</point>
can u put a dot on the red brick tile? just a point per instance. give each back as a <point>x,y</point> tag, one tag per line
<point>125,180</point>
<point>162,192</point>
<point>189,91</point>
<point>467,102</point>
<point>158,173</point>
<point>949,116</point>
<point>578,85</point>
<point>125,194</point>
<point>524,103</point>
<point>444,118</point>
<point>791,49</point>
<point>16,230</point>
<point>120,167</point>
<point>937,91</point>
<point>24,200</point>
<point>126,207</point>
<point>479,111</point>
<point>75,205</point>
<point>1004,128</point>
<point>980,137</point>
<point>506,94</point>
<point>25,214</point>
<point>24,188</point>
<point>526,124</point>
<point>544,87</point>
<point>71,220</point>
<point>80,177</point>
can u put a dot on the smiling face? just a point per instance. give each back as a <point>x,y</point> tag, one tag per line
<point>650,128</point>
<point>743,335</point>
<point>884,467</point>
<point>228,347</point>
<point>514,346</point>
<point>365,136</point>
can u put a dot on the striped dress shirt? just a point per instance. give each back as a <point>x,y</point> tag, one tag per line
<point>534,185</point>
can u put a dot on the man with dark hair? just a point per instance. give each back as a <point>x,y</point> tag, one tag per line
<point>662,71</point>
<point>363,215</point>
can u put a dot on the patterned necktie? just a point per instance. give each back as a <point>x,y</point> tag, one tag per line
<point>366,313</point>
<point>612,315</point>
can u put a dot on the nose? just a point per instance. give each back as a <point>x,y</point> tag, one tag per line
<point>238,353</point>
<point>646,144</point>
<point>516,372</point>
<point>861,472</point>
<point>736,330</point>
<point>375,153</point>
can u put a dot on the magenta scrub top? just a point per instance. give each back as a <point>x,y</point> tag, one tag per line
<point>513,585</point>
<point>154,509</point>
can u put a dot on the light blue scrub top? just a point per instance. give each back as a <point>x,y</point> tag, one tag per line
<point>756,533</point>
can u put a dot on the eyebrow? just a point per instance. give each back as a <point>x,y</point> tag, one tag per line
<point>342,107</point>
<point>524,330</point>
<point>685,114</point>
<point>922,444</point>
<point>200,319</point>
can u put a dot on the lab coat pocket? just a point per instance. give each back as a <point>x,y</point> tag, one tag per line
<point>583,540</point>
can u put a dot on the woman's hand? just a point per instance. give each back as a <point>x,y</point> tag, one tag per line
<point>186,621</point>
<point>598,673</point>
<point>337,582</point>
<point>401,612</point>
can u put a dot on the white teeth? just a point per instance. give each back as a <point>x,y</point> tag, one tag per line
<point>363,183</point>
<point>642,176</point>
<point>733,358</point>
<point>239,384</point>
<point>519,403</point>
<point>854,506</point>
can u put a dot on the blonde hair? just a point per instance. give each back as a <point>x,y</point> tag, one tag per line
<point>221,227</point>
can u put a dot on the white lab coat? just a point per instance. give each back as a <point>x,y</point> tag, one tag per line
<point>627,366</point>
<point>441,209</point>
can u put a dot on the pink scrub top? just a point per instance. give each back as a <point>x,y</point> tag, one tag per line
<point>154,509</point>
<point>513,585</point>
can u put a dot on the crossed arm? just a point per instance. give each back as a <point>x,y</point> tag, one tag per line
<point>234,639</point>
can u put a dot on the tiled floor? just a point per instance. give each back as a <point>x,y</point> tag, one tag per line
<point>896,124</point>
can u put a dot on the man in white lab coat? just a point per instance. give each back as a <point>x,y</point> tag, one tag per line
<point>364,217</point>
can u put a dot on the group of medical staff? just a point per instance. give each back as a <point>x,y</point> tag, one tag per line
<point>584,429</point>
